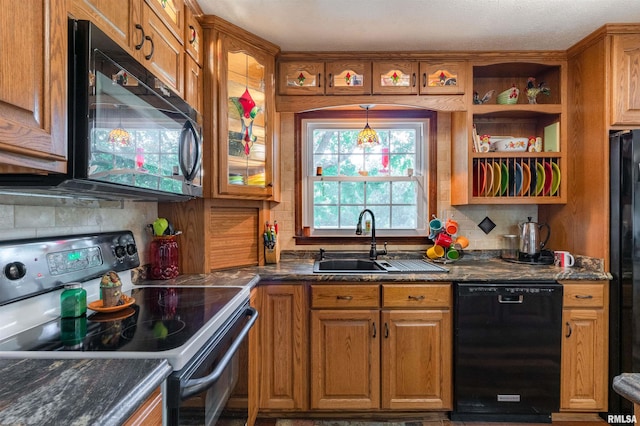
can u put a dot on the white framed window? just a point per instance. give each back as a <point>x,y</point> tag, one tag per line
<point>390,179</point>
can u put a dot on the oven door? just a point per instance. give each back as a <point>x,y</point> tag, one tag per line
<point>198,393</point>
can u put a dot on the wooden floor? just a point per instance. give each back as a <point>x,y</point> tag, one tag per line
<point>272,422</point>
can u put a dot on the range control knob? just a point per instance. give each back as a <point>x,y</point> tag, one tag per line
<point>131,249</point>
<point>15,270</point>
<point>120,252</point>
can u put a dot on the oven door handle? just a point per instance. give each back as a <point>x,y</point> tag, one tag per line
<point>195,386</point>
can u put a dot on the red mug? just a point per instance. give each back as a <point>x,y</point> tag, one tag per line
<point>443,239</point>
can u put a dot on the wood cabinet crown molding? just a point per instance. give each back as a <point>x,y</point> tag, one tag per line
<point>216,23</point>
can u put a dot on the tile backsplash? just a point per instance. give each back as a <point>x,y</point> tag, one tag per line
<point>20,219</point>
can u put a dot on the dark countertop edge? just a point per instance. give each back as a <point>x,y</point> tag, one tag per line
<point>137,395</point>
<point>628,386</point>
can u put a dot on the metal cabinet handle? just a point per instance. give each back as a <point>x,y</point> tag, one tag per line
<point>344,297</point>
<point>584,296</point>
<point>424,79</point>
<point>374,330</point>
<point>414,79</point>
<point>510,299</point>
<point>150,55</point>
<point>142,37</point>
<point>386,330</point>
<point>417,298</point>
<point>194,34</point>
<point>330,79</point>
<point>319,80</point>
<point>569,330</point>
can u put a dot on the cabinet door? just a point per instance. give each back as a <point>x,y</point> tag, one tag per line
<point>399,78</point>
<point>114,17</point>
<point>284,383</point>
<point>345,359</point>
<point>33,103</point>
<point>625,90</point>
<point>416,359</point>
<point>247,125</point>
<point>348,78</point>
<point>193,83</point>
<point>194,43</point>
<point>584,360</point>
<point>442,77</point>
<point>301,78</point>
<point>171,12</point>
<point>162,52</point>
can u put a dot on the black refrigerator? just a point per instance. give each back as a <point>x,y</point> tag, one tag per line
<point>624,321</point>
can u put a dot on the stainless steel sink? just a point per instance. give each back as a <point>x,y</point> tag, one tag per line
<point>366,266</point>
<point>347,266</point>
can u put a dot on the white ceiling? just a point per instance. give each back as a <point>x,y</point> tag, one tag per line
<point>422,25</point>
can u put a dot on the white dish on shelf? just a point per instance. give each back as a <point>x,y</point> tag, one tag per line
<point>510,145</point>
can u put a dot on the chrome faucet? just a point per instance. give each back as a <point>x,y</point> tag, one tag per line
<point>373,252</point>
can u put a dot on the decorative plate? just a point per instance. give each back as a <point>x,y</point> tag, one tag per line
<point>96,305</point>
<point>114,316</point>
<point>555,182</point>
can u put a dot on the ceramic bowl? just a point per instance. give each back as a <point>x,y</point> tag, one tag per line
<point>511,145</point>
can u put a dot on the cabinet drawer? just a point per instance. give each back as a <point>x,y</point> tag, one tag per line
<point>345,296</point>
<point>584,295</point>
<point>416,296</point>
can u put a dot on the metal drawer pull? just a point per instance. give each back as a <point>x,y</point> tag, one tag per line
<point>386,330</point>
<point>374,330</point>
<point>421,297</point>
<point>510,299</point>
<point>584,296</point>
<point>344,297</point>
<point>569,330</point>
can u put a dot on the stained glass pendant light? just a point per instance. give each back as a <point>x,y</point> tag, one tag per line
<point>367,136</point>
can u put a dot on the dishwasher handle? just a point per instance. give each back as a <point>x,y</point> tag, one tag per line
<point>510,298</point>
<point>195,386</point>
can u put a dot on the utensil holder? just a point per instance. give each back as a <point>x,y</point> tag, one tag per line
<point>272,255</point>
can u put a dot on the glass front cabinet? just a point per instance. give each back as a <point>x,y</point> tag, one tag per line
<point>246,120</point>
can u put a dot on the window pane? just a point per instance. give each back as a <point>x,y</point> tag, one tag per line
<point>328,162</point>
<point>383,216</point>
<point>403,193</point>
<point>325,192</point>
<point>404,217</point>
<point>378,193</point>
<point>352,193</point>
<point>325,217</point>
<point>349,216</point>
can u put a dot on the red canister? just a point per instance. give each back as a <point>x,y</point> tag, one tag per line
<point>164,257</point>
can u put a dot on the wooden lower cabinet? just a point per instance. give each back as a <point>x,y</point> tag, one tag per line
<point>150,413</point>
<point>395,358</point>
<point>584,364</point>
<point>283,358</point>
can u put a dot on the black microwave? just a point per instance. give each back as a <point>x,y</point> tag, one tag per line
<point>129,135</point>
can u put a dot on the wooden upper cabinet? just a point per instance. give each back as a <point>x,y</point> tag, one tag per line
<point>161,52</point>
<point>625,72</point>
<point>33,104</point>
<point>171,12</point>
<point>193,41</point>
<point>348,78</point>
<point>301,78</point>
<point>442,77</point>
<point>400,78</point>
<point>115,17</point>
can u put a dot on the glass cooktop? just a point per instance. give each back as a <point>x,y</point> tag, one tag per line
<point>161,319</point>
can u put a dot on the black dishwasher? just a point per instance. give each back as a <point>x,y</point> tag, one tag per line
<point>507,351</point>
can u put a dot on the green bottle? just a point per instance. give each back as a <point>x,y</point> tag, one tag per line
<point>73,301</point>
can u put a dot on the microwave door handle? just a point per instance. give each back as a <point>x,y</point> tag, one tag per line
<point>189,129</point>
<point>195,386</point>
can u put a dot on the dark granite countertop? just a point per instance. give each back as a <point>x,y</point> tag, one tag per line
<point>76,392</point>
<point>481,268</point>
<point>628,385</point>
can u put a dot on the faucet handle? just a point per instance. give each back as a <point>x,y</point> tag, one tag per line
<point>322,254</point>
<point>384,251</point>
